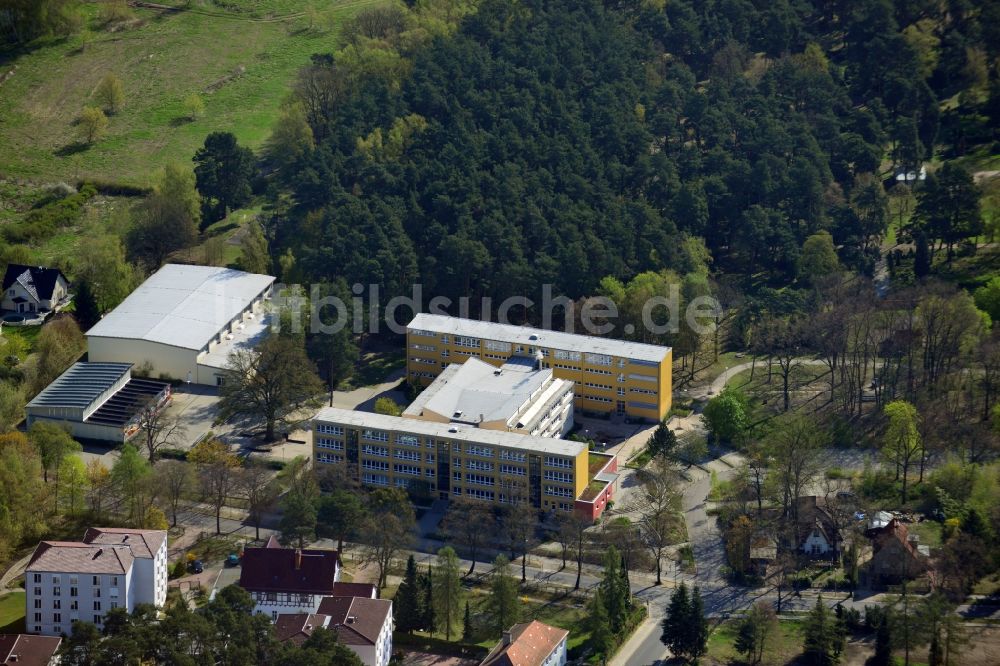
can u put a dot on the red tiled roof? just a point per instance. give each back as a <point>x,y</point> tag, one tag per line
<point>77,557</point>
<point>271,569</point>
<point>297,627</point>
<point>144,543</point>
<point>367,590</point>
<point>25,650</point>
<point>357,620</point>
<point>530,643</point>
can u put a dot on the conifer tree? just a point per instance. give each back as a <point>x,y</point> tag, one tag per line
<point>407,611</point>
<point>601,638</point>
<point>697,627</point>
<point>823,637</point>
<point>615,590</point>
<point>503,604</point>
<point>674,624</point>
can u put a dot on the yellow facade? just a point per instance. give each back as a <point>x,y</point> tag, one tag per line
<point>636,388</point>
<point>503,468</point>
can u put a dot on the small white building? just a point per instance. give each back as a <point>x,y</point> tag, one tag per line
<point>529,644</point>
<point>67,581</point>
<point>288,580</point>
<point>33,289</point>
<point>184,321</point>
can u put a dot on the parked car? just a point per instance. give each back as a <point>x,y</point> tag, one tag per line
<point>232,560</point>
<point>197,566</point>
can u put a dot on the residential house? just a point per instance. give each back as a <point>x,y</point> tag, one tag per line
<point>33,288</point>
<point>816,531</point>
<point>363,624</point>
<point>25,650</point>
<point>82,580</point>
<point>896,554</point>
<point>529,644</point>
<point>288,580</point>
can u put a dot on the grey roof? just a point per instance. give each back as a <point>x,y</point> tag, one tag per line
<point>182,306</point>
<point>538,337</point>
<point>38,281</point>
<point>452,431</point>
<point>475,391</point>
<point>80,385</point>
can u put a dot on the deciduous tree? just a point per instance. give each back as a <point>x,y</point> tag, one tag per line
<point>447,591</point>
<point>217,474</point>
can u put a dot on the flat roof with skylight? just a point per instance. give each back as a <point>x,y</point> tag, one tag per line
<point>537,337</point>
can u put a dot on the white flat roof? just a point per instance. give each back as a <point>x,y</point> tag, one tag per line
<point>182,306</point>
<point>465,433</point>
<point>472,391</point>
<point>523,335</point>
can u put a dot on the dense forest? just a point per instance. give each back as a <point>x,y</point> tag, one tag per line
<point>562,142</point>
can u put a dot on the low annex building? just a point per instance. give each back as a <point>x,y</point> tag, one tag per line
<point>110,568</point>
<point>98,401</point>
<point>26,650</point>
<point>454,460</point>
<point>625,379</point>
<point>184,321</point>
<point>288,580</point>
<point>529,644</point>
<point>519,396</point>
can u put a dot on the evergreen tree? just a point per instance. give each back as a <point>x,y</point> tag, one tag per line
<point>223,171</point>
<point>883,643</point>
<point>467,630</point>
<point>697,627</point>
<point>922,256</point>
<point>601,637</point>
<point>675,632</point>
<point>614,589</point>
<point>663,442</point>
<point>824,639</point>
<point>406,608</point>
<point>503,605</point>
<point>85,307</point>
<point>427,599</point>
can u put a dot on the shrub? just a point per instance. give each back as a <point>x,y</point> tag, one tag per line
<point>194,107</point>
<point>93,124</point>
<point>110,93</point>
<point>42,222</point>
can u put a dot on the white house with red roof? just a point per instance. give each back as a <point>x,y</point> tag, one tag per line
<point>529,644</point>
<point>110,568</point>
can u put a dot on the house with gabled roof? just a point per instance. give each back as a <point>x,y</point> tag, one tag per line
<point>896,554</point>
<point>362,624</point>
<point>529,644</point>
<point>27,650</point>
<point>288,580</point>
<point>33,288</point>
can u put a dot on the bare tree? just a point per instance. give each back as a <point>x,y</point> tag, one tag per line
<point>260,488</point>
<point>387,535</point>
<point>156,427</point>
<point>216,474</point>
<point>657,505</point>
<point>470,524</point>
<point>520,523</point>
<point>176,479</point>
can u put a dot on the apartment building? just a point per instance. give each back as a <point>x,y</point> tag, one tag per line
<point>451,460</point>
<point>626,379</point>
<point>82,580</point>
<point>519,396</point>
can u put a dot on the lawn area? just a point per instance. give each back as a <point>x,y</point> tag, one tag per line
<point>786,646</point>
<point>26,334</point>
<point>242,67</point>
<point>12,613</point>
<point>376,367</point>
<point>929,532</point>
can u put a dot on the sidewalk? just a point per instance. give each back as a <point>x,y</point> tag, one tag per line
<point>643,639</point>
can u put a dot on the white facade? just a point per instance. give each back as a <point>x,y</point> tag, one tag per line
<point>816,543</point>
<point>110,568</point>
<point>54,600</point>
<point>274,604</point>
<point>183,321</point>
<point>380,653</point>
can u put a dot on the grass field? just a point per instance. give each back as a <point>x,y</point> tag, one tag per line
<point>239,55</point>
<point>784,647</point>
<point>12,613</point>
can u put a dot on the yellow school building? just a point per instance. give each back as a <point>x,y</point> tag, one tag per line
<point>616,377</point>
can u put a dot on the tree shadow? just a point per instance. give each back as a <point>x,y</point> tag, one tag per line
<point>180,121</point>
<point>71,149</point>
